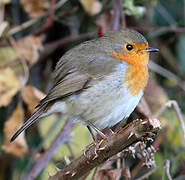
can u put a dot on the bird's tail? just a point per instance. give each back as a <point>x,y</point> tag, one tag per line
<point>35,116</point>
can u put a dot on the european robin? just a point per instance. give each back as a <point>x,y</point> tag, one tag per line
<point>99,82</point>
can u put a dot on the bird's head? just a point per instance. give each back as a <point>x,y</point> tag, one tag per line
<point>132,47</point>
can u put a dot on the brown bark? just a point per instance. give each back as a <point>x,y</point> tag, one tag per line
<point>98,153</point>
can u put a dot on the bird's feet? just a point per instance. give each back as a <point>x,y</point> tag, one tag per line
<point>97,139</point>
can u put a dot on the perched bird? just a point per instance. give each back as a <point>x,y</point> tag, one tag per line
<point>99,82</point>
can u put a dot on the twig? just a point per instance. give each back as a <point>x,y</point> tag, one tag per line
<point>51,47</point>
<point>49,21</point>
<point>143,108</point>
<point>145,176</point>
<point>167,167</point>
<point>175,105</point>
<point>98,153</point>
<point>73,10</point>
<point>33,157</point>
<point>71,38</point>
<point>166,14</point>
<point>159,28</point>
<point>167,74</point>
<point>156,144</point>
<point>117,14</point>
<point>126,173</point>
<point>33,21</point>
<point>50,130</point>
<point>61,138</point>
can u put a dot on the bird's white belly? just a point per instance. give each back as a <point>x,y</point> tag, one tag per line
<point>105,110</point>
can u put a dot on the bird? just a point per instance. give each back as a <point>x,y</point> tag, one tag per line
<point>99,82</point>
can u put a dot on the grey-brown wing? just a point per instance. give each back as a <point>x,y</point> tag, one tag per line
<point>71,83</point>
<point>89,61</point>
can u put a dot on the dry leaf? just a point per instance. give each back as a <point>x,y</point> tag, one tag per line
<point>3,26</point>
<point>113,174</point>
<point>19,146</point>
<point>9,85</point>
<point>28,48</point>
<point>31,97</point>
<point>3,2</point>
<point>35,8</point>
<point>92,7</point>
<point>7,55</point>
<point>21,70</point>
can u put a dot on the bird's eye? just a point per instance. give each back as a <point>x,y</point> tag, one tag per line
<point>129,47</point>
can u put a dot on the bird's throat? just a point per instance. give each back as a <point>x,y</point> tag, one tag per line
<point>136,78</point>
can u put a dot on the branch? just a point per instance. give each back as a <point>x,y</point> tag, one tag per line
<point>61,138</point>
<point>31,22</point>
<point>117,14</point>
<point>98,153</point>
<point>160,28</point>
<point>52,46</point>
<point>71,38</point>
<point>50,20</point>
<point>167,74</point>
<point>176,107</point>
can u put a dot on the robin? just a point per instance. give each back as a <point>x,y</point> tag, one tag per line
<point>99,82</point>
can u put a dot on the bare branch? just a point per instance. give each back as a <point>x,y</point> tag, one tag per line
<point>61,138</point>
<point>31,22</point>
<point>117,14</point>
<point>98,153</point>
<point>145,176</point>
<point>160,28</point>
<point>167,74</point>
<point>175,105</point>
<point>71,38</point>
<point>167,167</point>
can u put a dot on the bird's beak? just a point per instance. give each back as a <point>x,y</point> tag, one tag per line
<point>150,49</point>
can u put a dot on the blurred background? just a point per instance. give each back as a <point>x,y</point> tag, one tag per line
<point>36,33</point>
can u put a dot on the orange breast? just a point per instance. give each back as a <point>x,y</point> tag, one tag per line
<point>136,78</point>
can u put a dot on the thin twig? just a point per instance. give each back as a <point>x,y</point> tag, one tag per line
<point>167,74</point>
<point>71,38</point>
<point>50,130</point>
<point>155,144</point>
<point>32,158</point>
<point>31,22</point>
<point>145,176</point>
<point>61,138</point>
<point>159,28</point>
<point>52,46</point>
<point>96,154</point>
<point>64,14</point>
<point>175,105</point>
<point>117,8</point>
<point>167,167</point>
<point>49,21</point>
<point>163,11</point>
<point>126,173</point>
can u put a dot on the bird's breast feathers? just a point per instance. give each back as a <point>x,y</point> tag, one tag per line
<point>106,102</point>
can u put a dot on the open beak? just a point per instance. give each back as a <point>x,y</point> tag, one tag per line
<point>150,49</point>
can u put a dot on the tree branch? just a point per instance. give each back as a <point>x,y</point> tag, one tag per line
<point>98,153</point>
<point>117,14</point>
<point>61,138</point>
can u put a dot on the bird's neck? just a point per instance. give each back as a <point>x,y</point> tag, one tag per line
<point>136,78</point>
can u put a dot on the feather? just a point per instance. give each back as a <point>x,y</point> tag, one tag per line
<point>30,121</point>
